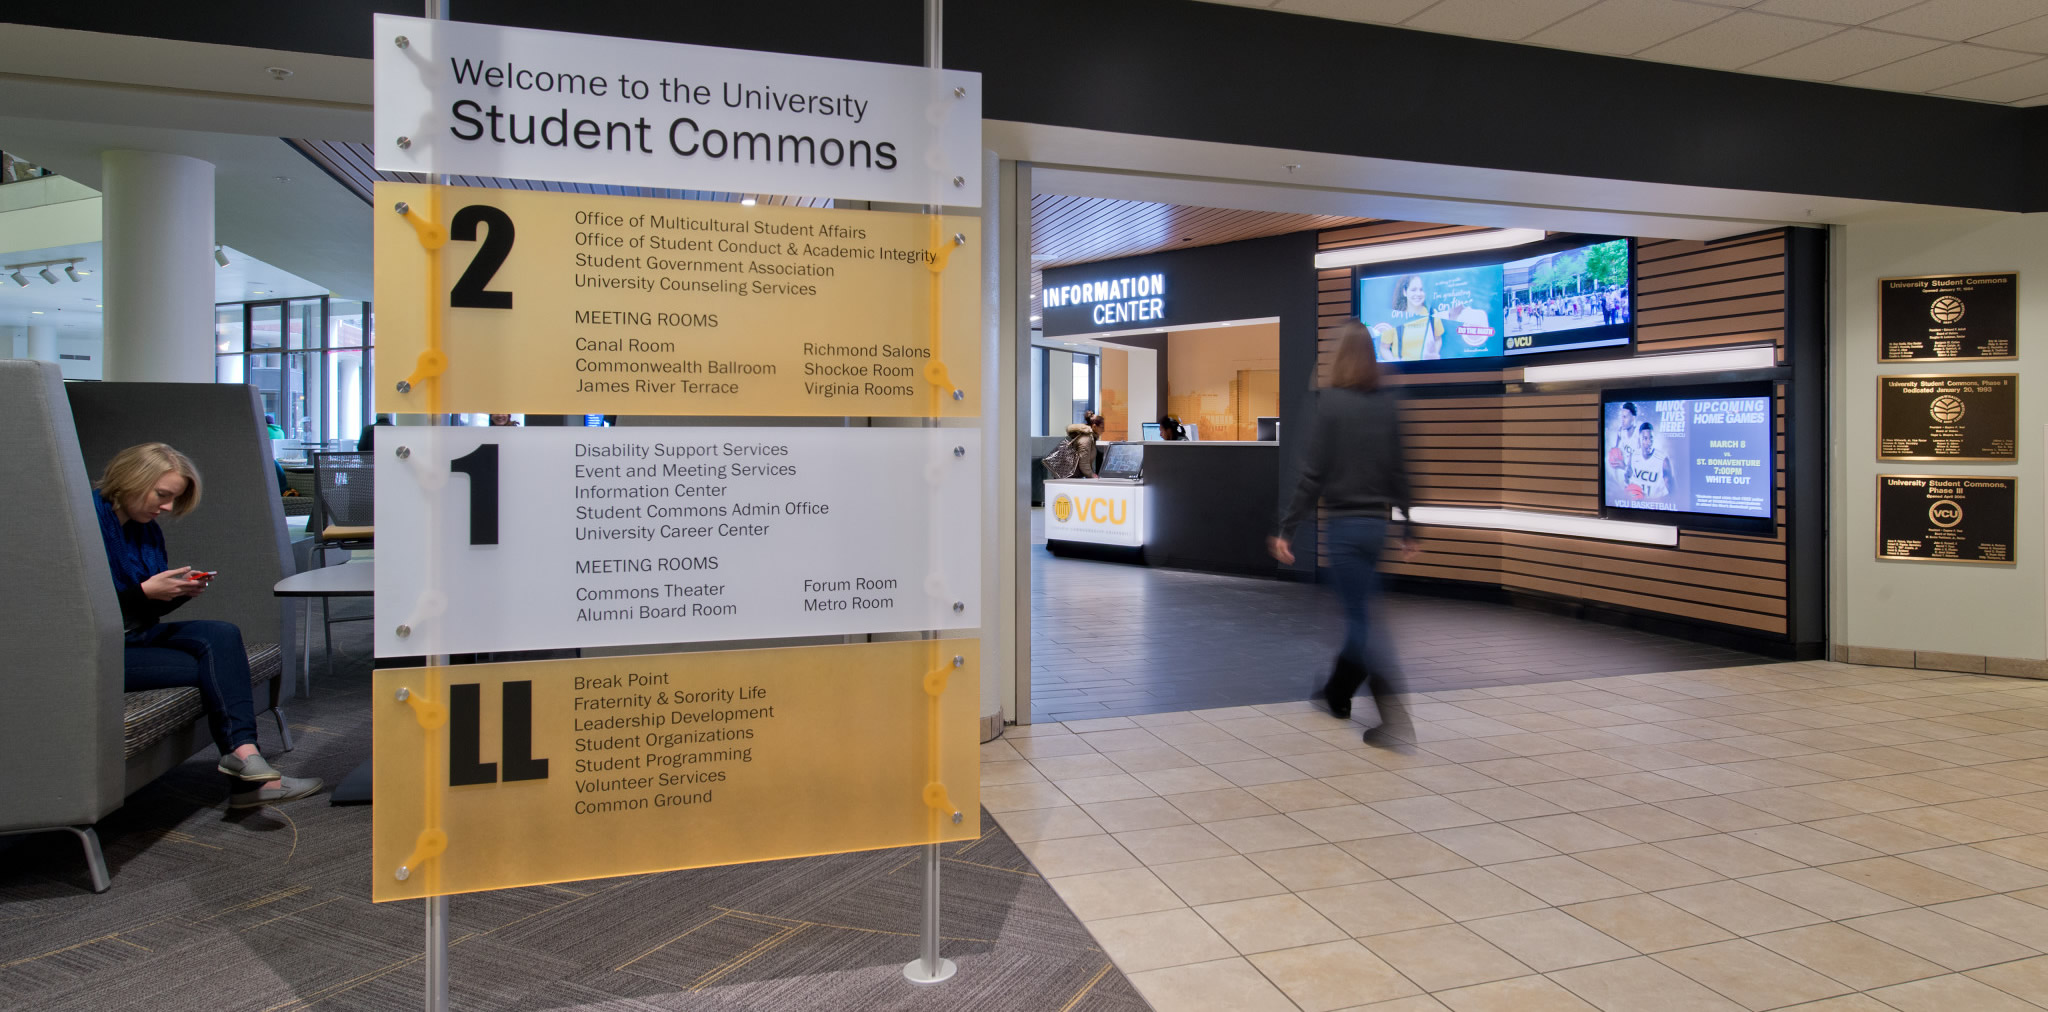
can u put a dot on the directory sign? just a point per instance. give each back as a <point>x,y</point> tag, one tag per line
<point>467,99</point>
<point>493,776</point>
<point>519,539</point>
<point>1948,316</point>
<point>1956,417</point>
<point>563,303</point>
<point>1946,518</point>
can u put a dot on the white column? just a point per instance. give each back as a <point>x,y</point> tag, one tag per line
<point>42,343</point>
<point>157,212</point>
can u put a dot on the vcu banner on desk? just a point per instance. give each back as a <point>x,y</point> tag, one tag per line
<point>493,776</point>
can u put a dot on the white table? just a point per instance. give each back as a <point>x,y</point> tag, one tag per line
<point>350,579</point>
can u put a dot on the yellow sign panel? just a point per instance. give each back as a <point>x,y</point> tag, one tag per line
<point>563,303</point>
<point>492,776</point>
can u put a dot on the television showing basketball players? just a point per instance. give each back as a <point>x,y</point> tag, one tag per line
<point>1691,454</point>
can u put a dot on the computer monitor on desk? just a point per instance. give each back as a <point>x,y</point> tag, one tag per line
<point>1194,432</point>
<point>1125,461</point>
<point>1148,431</point>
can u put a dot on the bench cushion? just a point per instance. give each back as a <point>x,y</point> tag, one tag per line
<point>153,714</point>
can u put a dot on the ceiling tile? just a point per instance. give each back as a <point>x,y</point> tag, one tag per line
<point>2031,36</point>
<point>1737,40</point>
<point>1385,12</point>
<point>1491,19</point>
<point>1960,19</point>
<point>1621,27</point>
<point>1937,68</point>
<point>1837,56</point>
<point>1840,12</point>
<point>2021,82</point>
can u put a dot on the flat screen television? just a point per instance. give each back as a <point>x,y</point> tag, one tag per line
<point>1557,295</point>
<point>1697,456</point>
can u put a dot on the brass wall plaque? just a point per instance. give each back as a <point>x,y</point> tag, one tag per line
<point>1952,417</point>
<point>1948,316</point>
<point>1946,517</point>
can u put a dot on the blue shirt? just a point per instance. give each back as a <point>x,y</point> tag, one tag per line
<point>135,552</point>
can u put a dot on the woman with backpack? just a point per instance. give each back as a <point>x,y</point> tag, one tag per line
<point>1075,458</point>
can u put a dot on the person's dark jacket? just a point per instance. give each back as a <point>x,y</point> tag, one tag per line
<point>135,552</point>
<point>1356,461</point>
<point>367,441</point>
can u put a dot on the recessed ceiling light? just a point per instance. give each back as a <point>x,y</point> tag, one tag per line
<point>747,201</point>
<point>35,312</point>
<point>259,291</point>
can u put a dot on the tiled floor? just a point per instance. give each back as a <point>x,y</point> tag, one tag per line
<point>1814,835</point>
<point>1113,639</point>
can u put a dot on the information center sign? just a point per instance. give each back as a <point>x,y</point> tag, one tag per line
<point>572,304</point>
<point>480,100</point>
<point>1948,316</point>
<point>1956,417</point>
<point>517,539</point>
<point>1946,518</point>
<point>493,776</point>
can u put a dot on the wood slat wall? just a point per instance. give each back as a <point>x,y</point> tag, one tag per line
<point>1541,451</point>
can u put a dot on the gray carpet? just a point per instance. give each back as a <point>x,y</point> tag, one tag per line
<point>267,910</point>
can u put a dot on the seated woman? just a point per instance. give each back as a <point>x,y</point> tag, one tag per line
<point>142,483</point>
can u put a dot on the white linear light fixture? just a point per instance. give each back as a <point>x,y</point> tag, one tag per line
<point>1465,242</point>
<point>1544,523</point>
<point>1683,363</point>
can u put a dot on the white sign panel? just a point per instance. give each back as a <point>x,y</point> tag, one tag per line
<point>493,539</point>
<point>480,100</point>
<point>1101,513</point>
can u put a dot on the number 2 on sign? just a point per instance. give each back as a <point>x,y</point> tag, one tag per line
<point>469,291</point>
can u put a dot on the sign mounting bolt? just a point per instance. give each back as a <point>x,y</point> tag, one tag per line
<point>404,387</point>
<point>960,92</point>
<point>959,395</point>
<point>402,207</point>
<point>404,631</point>
<point>959,607</point>
<point>959,238</point>
<point>959,661</point>
<point>402,873</point>
<point>959,451</point>
<point>404,694</point>
<point>404,452</point>
<point>957,180</point>
<point>956,818</point>
<point>404,142</point>
<point>402,42</point>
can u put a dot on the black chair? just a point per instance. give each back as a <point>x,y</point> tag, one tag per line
<point>344,516</point>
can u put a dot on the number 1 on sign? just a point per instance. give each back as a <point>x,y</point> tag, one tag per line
<point>481,464</point>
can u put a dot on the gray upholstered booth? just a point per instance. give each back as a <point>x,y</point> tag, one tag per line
<point>73,745</point>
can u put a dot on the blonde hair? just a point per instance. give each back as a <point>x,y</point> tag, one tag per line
<point>1355,365</point>
<point>135,470</point>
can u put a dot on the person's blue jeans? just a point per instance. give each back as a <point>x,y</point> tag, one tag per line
<point>208,656</point>
<point>1355,544</point>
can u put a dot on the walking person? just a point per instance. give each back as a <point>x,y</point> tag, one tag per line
<point>1356,466</point>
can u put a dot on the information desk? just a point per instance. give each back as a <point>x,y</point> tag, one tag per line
<point>1199,506</point>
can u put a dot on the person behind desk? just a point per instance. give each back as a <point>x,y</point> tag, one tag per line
<point>1356,464</point>
<point>1170,429</point>
<point>142,483</point>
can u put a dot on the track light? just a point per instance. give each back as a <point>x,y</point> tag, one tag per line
<point>220,257</point>
<point>71,271</point>
<point>18,279</point>
<point>47,276</point>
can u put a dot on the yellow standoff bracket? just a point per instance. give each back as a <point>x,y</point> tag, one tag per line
<point>430,365</point>
<point>935,682</point>
<point>431,236</point>
<point>430,845</point>
<point>935,373</point>
<point>936,798</point>
<point>431,715</point>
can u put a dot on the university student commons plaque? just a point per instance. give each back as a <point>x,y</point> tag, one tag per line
<point>1951,417</point>
<point>1948,316</point>
<point>1946,517</point>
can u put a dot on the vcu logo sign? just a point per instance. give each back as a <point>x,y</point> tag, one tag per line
<point>515,741</point>
<point>1102,511</point>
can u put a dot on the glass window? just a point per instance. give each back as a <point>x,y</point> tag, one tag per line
<point>304,396</point>
<point>302,323</point>
<point>347,392</point>
<point>1038,392</point>
<point>266,325</point>
<point>227,332</point>
<point>346,324</point>
<point>228,368</point>
<point>1084,386</point>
